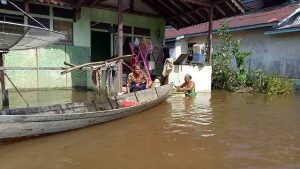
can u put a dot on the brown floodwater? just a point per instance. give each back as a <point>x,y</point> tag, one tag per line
<point>221,130</point>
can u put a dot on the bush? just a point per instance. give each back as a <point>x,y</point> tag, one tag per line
<point>225,77</point>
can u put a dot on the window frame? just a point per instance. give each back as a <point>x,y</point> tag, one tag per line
<point>51,18</point>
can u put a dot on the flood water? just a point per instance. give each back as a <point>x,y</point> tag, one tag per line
<point>221,130</point>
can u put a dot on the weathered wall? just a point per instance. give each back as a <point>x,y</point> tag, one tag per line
<point>272,53</point>
<point>82,29</point>
<point>51,56</point>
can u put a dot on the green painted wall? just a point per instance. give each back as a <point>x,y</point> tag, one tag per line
<point>155,24</point>
<point>82,30</point>
<point>51,56</point>
<point>79,53</point>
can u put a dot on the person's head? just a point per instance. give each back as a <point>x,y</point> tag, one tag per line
<point>187,78</point>
<point>137,68</point>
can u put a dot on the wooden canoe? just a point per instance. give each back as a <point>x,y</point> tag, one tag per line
<point>26,122</point>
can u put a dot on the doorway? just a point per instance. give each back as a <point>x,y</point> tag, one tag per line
<point>100,46</point>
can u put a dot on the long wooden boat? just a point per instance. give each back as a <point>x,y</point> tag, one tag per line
<point>26,122</point>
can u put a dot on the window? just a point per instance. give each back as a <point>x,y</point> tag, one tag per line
<point>126,29</point>
<point>142,31</point>
<point>63,13</point>
<point>43,21</point>
<point>13,19</point>
<point>66,28</point>
<point>10,7</point>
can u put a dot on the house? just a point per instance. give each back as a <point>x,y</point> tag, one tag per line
<point>92,31</point>
<point>273,34</point>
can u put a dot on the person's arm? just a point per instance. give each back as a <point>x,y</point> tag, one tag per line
<point>147,80</point>
<point>181,87</point>
<point>190,87</point>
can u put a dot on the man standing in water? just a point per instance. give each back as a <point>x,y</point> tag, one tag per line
<point>188,87</point>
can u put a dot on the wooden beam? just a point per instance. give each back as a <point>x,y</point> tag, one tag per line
<point>120,43</point>
<point>120,28</point>
<point>209,37</point>
<point>208,12</point>
<point>26,6</point>
<point>173,24</point>
<point>195,12</point>
<point>230,6</point>
<point>200,3</point>
<point>131,5</point>
<point>154,7</point>
<point>182,10</point>
<point>166,6</point>
<point>176,5</point>
<point>193,18</point>
<point>220,10</point>
<point>200,14</point>
<point>115,9</point>
<point>185,13</point>
<point>95,2</point>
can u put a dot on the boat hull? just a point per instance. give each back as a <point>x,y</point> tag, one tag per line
<point>16,126</point>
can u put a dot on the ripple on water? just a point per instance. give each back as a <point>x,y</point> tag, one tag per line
<point>191,115</point>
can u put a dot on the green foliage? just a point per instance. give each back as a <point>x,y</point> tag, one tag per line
<point>269,84</point>
<point>240,56</point>
<point>225,77</point>
<point>223,74</point>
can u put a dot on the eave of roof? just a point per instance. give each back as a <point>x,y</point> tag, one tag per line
<point>266,18</point>
<point>178,13</point>
<point>280,31</point>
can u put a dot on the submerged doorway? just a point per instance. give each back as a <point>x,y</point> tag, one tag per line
<point>100,46</point>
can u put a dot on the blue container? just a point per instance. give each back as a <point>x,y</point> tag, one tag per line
<point>198,58</point>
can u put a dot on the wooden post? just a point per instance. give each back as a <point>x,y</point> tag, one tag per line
<point>209,38</point>
<point>5,100</point>
<point>120,42</point>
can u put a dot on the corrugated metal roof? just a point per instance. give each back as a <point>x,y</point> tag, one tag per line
<point>273,15</point>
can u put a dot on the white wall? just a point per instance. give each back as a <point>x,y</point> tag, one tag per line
<point>181,47</point>
<point>201,75</point>
<point>272,53</point>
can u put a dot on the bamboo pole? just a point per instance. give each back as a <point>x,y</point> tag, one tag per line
<point>93,64</point>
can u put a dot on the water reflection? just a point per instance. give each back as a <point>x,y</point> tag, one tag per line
<point>191,113</point>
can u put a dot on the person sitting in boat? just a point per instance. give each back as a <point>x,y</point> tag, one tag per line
<point>188,87</point>
<point>137,80</point>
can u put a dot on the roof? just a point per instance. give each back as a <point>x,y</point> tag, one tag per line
<point>178,13</point>
<point>264,18</point>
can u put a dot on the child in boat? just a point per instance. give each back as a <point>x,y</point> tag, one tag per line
<point>137,80</point>
<point>188,87</point>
